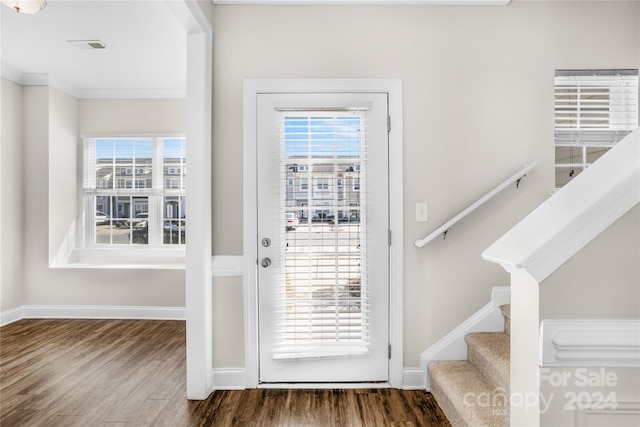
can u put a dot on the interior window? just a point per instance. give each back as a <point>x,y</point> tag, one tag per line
<point>594,109</point>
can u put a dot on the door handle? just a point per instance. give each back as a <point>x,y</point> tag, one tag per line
<point>266,262</point>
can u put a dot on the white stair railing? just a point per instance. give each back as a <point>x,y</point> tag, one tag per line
<point>548,237</point>
<point>516,177</point>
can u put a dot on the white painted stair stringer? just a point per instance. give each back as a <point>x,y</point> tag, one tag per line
<point>453,346</point>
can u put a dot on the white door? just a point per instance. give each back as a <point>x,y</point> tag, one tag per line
<point>323,238</point>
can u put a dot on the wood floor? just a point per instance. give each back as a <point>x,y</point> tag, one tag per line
<point>132,373</point>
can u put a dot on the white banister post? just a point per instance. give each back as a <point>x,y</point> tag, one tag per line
<point>525,321</point>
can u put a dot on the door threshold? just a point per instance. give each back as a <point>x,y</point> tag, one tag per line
<point>333,385</point>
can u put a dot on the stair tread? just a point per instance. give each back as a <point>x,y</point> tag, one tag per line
<point>489,352</point>
<point>466,397</point>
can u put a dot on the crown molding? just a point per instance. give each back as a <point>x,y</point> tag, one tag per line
<point>369,2</point>
<point>133,93</point>
<point>27,79</point>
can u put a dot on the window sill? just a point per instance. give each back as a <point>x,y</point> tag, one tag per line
<point>139,259</point>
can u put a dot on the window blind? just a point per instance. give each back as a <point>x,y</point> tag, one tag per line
<point>595,107</point>
<point>321,304</point>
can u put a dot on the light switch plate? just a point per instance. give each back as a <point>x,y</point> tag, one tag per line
<point>422,212</point>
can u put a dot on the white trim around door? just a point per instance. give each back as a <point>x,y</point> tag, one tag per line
<point>253,87</point>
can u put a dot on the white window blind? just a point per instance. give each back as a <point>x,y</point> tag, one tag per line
<point>594,109</point>
<point>321,304</point>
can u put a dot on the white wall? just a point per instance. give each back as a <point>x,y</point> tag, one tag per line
<point>568,394</point>
<point>228,323</point>
<point>602,281</point>
<point>478,104</point>
<point>99,116</point>
<point>49,151</point>
<point>11,196</point>
<point>599,282</point>
<point>64,180</point>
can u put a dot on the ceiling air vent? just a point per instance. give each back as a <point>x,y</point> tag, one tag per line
<point>88,44</point>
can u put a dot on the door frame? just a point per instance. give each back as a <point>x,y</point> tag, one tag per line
<point>254,87</point>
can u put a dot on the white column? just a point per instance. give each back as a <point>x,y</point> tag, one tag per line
<point>198,251</point>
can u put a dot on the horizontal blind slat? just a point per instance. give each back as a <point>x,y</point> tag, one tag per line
<point>597,108</point>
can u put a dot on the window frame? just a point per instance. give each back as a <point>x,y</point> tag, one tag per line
<point>322,184</point>
<point>130,253</point>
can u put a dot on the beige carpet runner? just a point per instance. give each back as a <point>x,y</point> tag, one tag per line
<point>475,392</point>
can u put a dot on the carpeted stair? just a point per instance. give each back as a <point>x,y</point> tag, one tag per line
<point>475,392</point>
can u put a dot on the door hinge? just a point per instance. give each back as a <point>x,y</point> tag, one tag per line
<point>389,238</point>
<point>389,351</point>
<point>388,123</point>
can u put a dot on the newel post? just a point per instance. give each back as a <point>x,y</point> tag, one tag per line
<point>525,321</point>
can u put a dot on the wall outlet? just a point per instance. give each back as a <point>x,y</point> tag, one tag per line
<point>422,212</point>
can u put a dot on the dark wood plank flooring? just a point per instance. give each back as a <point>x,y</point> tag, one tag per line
<point>132,373</point>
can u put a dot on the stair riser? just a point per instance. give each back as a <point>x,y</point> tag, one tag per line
<point>452,414</point>
<point>495,376</point>
<point>465,396</point>
<point>506,313</point>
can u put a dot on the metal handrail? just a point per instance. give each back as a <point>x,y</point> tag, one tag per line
<point>516,177</point>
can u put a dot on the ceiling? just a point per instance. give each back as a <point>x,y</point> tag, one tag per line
<point>145,54</point>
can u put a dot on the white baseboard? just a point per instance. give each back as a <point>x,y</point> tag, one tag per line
<point>92,312</point>
<point>589,342</point>
<point>453,346</point>
<point>235,379</point>
<point>12,315</point>
<point>229,379</point>
<point>413,379</point>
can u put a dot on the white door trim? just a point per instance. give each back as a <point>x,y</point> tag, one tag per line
<point>253,87</point>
